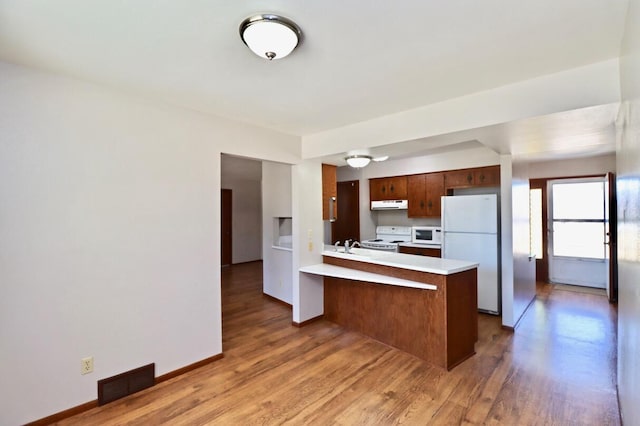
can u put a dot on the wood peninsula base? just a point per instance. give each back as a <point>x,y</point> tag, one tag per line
<point>439,326</point>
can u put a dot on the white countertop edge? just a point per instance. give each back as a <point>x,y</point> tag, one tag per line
<point>445,266</point>
<point>282,248</point>
<point>334,271</point>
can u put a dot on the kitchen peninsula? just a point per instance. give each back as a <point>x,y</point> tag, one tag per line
<point>422,305</point>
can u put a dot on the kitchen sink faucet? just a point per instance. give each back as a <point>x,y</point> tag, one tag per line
<point>347,248</point>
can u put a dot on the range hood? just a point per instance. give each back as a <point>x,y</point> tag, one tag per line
<point>390,205</point>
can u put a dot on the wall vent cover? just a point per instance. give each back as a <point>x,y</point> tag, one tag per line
<point>126,383</point>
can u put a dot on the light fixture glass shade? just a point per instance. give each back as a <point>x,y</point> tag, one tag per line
<point>358,161</point>
<point>270,36</point>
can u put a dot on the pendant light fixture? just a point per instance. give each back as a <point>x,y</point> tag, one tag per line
<point>270,36</point>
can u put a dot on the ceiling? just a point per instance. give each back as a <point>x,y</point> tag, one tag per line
<point>569,134</point>
<point>358,60</point>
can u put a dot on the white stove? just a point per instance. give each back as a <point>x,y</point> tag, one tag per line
<point>388,238</point>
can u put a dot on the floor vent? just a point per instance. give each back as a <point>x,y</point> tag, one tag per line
<point>126,383</point>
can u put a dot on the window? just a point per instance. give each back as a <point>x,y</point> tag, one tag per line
<point>535,221</point>
<point>578,212</point>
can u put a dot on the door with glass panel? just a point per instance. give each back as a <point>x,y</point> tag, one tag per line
<point>578,232</point>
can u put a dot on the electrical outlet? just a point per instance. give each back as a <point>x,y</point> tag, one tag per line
<point>86,365</point>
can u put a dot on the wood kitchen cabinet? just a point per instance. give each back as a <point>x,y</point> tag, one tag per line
<point>459,178</point>
<point>487,176</point>
<point>424,192</point>
<point>329,192</point>
<point>467,178</point>
<point>439,326</point>
<point>388,188</point>
<point>421,251</point>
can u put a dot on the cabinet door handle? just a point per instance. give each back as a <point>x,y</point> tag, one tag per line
<point>421,204</point>
<point>469,178</point>
<point>481,178</point>
<point>391,188</point>
<point>430,204</point>
<point>384,189</point>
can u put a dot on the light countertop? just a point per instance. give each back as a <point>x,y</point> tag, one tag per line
<point>334,271</point>
<point>434,265</point>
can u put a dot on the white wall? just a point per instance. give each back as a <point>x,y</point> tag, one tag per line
<point>518,271</point>
<point>506,240</point>
<point>308,229</point>
<point>524,268</point>
<point>597,165</point>
<point>277,273</point>
<point>109,235</point>
<point>243,177</point>
<point>628,185</point>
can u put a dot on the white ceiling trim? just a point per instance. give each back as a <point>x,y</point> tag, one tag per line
<point>587,86</point>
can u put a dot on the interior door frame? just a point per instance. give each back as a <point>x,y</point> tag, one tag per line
<point>542,265</point>
<point>613,237</point>
<point>226,222</point>
<point>564,260</point>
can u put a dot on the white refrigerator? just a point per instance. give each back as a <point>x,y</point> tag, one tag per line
<point>470,232</point>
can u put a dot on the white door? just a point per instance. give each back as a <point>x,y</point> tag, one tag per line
<point>578,232</point>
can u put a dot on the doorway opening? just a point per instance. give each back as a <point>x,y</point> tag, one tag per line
<point>241,204</point>
<point>577,229</point>
<point>347,224</point>
<point>572,232</point>
<point>260,264</point>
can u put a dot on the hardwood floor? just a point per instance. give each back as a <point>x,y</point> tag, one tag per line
<point>558,368</point>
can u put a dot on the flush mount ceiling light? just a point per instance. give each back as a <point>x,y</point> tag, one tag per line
<point>270,36</point>
<point>358,161</point>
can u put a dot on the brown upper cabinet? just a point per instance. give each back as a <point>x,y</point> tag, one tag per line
<point>329,192</point>
<point>466,178</point>
<point>389,188</point>
<point>424,192</point>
